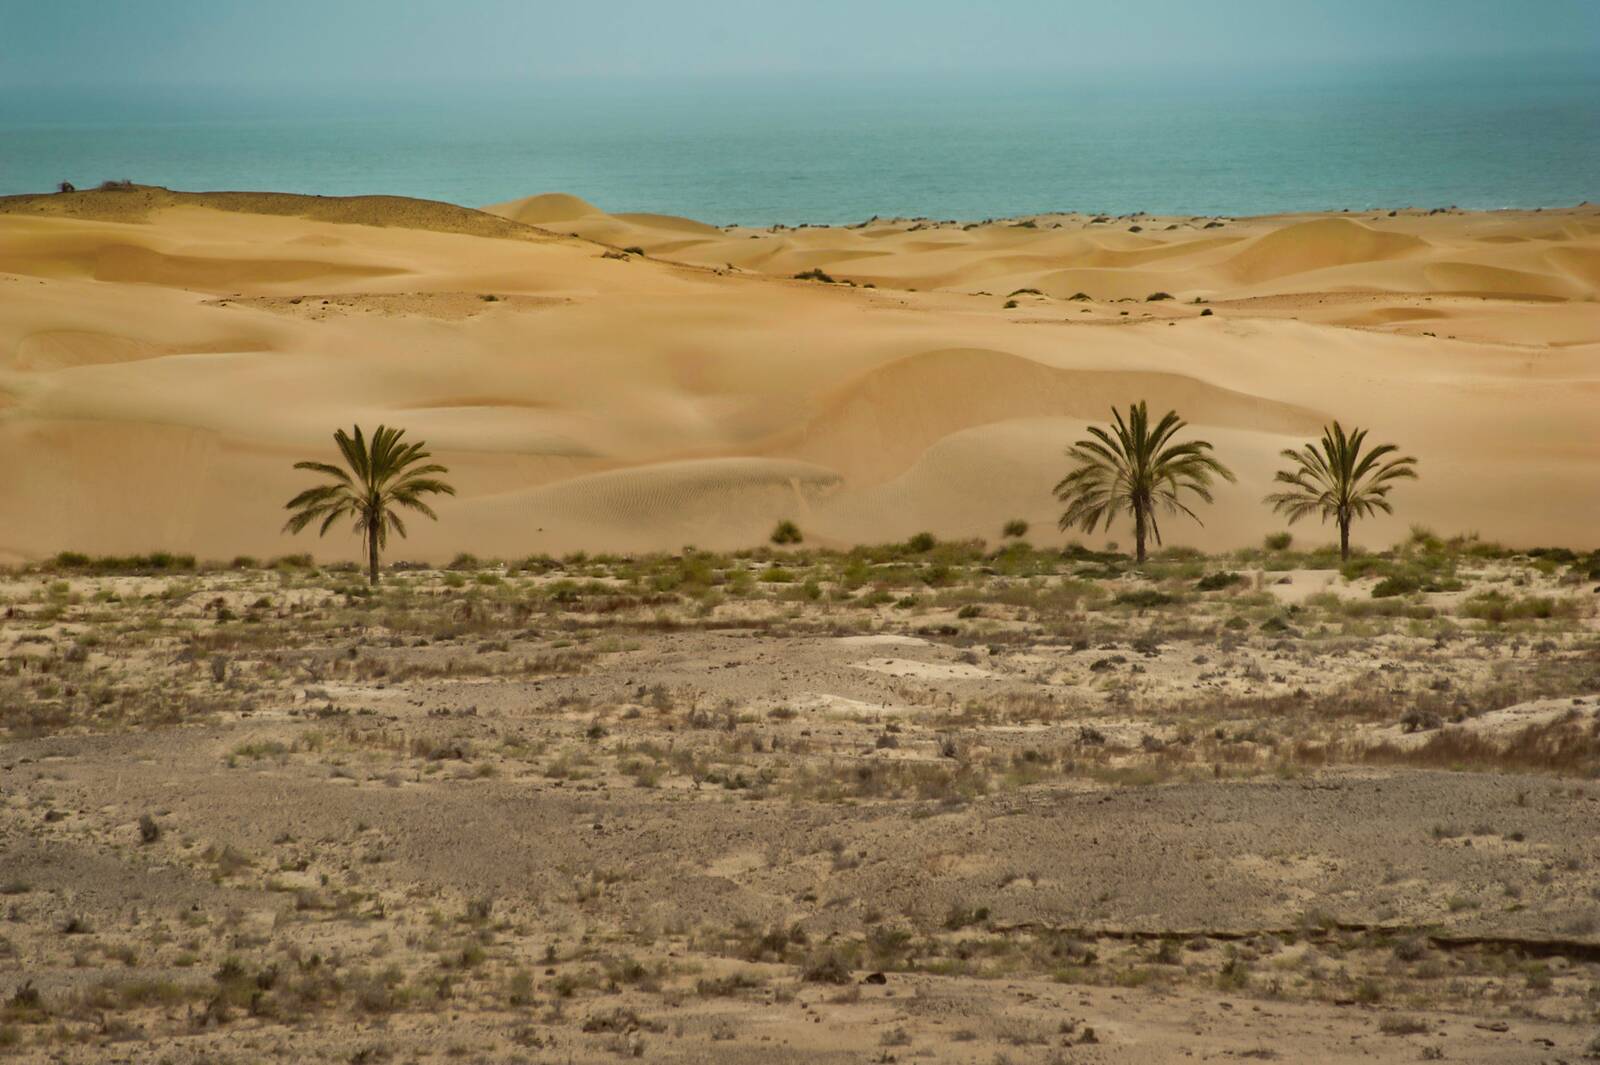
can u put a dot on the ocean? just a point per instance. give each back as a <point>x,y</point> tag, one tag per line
<point>759,152</point>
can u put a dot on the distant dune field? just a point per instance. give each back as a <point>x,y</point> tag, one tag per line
<point>165,357</point>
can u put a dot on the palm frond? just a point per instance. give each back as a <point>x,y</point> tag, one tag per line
<point>1336,478</point>
<point>378,475</point>
<point>1134,467</point>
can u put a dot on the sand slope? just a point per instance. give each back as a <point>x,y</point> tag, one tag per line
<point>165,357</point>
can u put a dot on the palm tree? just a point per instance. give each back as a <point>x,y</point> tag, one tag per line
<point>1132,467</point>
<point>380,478</point>
<point>1339,481</point>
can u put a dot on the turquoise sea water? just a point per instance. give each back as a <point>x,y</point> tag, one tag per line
<point>761,152</point>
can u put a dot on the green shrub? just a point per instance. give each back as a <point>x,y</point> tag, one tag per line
<point>1015,529</point>
<point>1497,607</point>
<point>1396,584</point>
<point>1279,541</point>
<point>1365,566</point>
<point>1212,582</point>
<point>1144,599</point>
<point>787,532</point>
<point>155,562</point>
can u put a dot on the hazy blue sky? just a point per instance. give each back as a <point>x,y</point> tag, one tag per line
<point>284,44</point>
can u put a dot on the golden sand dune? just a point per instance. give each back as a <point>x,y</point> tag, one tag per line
<point>707,503</point>
<point>1062,255</point>
<point>165,357</point>
<point>880,424</point>
<point>138,203</point>
<point>667,221</point>
<point>1318,245</point>
<point>63,349</point>
<point>546,207</point>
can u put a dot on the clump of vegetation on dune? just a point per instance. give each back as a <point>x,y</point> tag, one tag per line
<point>155,562</point>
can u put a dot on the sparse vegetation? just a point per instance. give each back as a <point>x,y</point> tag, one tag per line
<point>872,701</point>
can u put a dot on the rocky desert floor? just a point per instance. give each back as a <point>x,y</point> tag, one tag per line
<point>926,802</point>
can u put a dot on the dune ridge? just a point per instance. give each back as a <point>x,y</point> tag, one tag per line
<point>166,356</point>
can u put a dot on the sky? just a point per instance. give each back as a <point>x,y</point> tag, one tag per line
<point>284,45</point>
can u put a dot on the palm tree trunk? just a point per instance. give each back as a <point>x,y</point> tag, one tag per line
<point>1344,538</point>
<point>372,552</point>
<point>1138,534</point>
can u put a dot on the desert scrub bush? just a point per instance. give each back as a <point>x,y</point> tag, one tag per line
<point>1143,599</point>
<point>1567,746</point>
<point>1497,608</point>
<point>1213,582</point>
<point>827,967</point>
<point>730,986</point>
<point>816,273</point>
<point>156,562</point>
<point>786,532</point>
<point>846,781</point>
<point>1019,559</point>
<point>1014,529</point>
<point>1401,1024</point>
<point>1396,584</point>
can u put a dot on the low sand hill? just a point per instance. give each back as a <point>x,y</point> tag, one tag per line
<point>165,357</point>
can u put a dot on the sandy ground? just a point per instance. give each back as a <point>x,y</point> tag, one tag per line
<point>165,357</point>
<point>902,805</point>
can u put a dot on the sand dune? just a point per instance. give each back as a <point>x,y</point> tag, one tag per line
<point>164,357</point>
<point>716,504</point>
<point>546,207</point>
<point>667,221</point>
<point>64,349</point>
<point>1317,245</point>
<point>879,425</point>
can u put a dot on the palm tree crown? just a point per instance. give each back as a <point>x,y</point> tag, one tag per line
<point>1133,467</point>
<point>1337,480</point>
<point>380,478</point>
